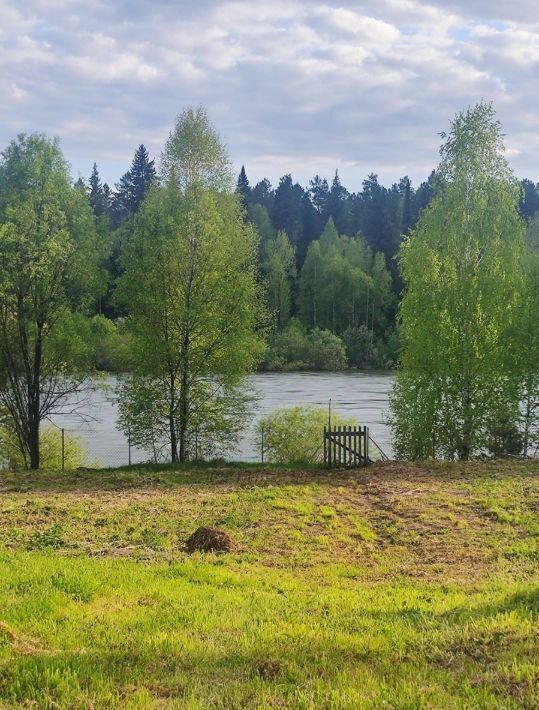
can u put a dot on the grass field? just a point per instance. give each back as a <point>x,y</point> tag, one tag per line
<point>396,587</point>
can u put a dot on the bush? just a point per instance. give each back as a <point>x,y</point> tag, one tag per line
<point>365,350</point>
<point>50,448</point>
<point>326,351</point>
<point>295,436</point>
<point>289,349</point>
<point>295,349</point>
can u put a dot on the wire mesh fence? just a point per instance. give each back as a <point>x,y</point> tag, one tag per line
<point>92,439</point>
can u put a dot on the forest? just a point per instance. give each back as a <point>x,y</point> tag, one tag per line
<point>326,259</point>
<point>186,280</point>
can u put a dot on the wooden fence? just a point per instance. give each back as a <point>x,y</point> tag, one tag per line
<point>346,446</point>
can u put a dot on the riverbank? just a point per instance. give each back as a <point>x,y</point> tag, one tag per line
<point>398,586</point>
<point>362,396</point>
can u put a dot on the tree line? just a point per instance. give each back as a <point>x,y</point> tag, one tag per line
<point>326,258</point>
<point>189,280</point>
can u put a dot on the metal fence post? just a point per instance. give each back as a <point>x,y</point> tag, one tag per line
<point>63,450</point>
<point>262,451</point>
<point>129,448</point>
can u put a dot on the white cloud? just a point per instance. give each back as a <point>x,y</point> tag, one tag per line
<point>301,86</point>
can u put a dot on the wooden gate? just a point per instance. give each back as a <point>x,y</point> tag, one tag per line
<point>346,446</point>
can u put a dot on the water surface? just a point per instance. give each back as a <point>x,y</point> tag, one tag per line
<point>361,395</point>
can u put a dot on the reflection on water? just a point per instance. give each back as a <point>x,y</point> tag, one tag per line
<point>362,395</point>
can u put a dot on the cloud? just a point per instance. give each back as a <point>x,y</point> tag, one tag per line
<point>292,86</point>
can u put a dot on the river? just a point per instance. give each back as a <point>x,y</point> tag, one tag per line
<point>361,395</point>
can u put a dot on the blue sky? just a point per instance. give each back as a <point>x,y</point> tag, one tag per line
<point>300,87</point>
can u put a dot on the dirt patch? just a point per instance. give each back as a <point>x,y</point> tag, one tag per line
<point>22,644</point>
<point>209,540</point>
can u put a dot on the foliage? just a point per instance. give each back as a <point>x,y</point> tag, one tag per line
<point>134,185</point>
<point>293,348</point>
<point>343,285</point>
<point>50,277</point>
<point>195,155</point>
<point>326,350</point>
<point>15,458</point>
<point>295,436</point>
<point>457,388</point>
<point>364,350</point>
<point>217,420</point>
<point>525,334</point>
<point>280,270</point>
<point>194,325</point>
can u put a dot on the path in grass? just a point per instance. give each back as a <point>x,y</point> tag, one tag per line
<point>400,586</point>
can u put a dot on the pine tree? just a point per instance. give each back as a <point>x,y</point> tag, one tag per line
<point>263,194</point>
<point>320,196</point>
<point>529,201</point>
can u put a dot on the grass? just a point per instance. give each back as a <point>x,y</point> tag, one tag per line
<point>396,587</point>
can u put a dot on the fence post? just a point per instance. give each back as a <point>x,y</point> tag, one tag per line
<point>262,449</point>
<point>196,444</point>
<point>366,446</point>
<point>129,448</point>
<point>63,450</point>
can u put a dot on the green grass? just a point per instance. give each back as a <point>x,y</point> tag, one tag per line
<point>396,587</point>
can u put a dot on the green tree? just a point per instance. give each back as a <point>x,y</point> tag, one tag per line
<point>526,361</point>
<point>189,285</point>
<point>96,193</point>
<point>462,271</point>
<point>243,188</point>
<point>49,252</point>
<point>194,154</point>
<point>133,186</point>
<point>310,286</point>
<point>279,267</point>
<point>259,217</point>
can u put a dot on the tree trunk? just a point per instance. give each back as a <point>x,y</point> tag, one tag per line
<point>173,440</point>
<point>184,413</point>
<point>34,405</point>
<point>33,443</point>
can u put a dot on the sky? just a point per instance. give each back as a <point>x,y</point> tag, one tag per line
<point>299,87</point>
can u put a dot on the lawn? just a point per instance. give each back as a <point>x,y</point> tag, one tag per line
<point>397,587</point>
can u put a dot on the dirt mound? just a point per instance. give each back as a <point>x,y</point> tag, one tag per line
<point>209,540</point>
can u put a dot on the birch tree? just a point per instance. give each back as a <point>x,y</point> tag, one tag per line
<point>457,387</point>
<point>190,289</point>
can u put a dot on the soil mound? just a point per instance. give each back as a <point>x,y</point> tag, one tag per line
<point>209,540</point>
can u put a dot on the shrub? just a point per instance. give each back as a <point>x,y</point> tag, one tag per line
<point>289,349</point>
<point>14,459</point>
<point>326,351</point>
<point>364,350</point>
<point>295,436</point>
<point>295,349</point>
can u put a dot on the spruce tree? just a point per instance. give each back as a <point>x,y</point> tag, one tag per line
<point>286,213</point>
<point>133,186</point>
<point>142,176</point>
<point>338,205</point>
<point>243,188</point>
<point>95,193</point>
